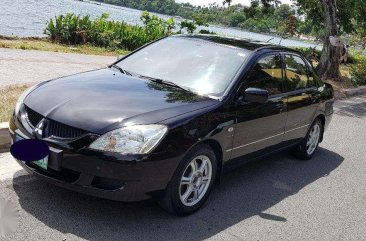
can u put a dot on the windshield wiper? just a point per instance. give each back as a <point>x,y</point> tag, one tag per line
<point>165,82</point>
<point>121,70</point>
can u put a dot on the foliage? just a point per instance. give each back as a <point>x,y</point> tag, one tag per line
<point>191,26</point>
<point>358,72</point>
<point>291,25</point>
<point>261,16</point>
<point>74,29</point>
<point>350,16</point>
<point>262,25</point>
<point>356,61</point>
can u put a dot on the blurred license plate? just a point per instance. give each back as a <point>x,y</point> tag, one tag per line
<point>42,163</point>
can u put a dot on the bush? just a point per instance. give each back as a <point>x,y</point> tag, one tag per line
<point>358,72</point>
<point>74,29</point>
<point>355,57</point>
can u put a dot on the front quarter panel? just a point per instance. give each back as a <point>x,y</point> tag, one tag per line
<point>326,94</point>
<point>212,124</point>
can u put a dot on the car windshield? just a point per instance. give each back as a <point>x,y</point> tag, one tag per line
<point>204,67</point>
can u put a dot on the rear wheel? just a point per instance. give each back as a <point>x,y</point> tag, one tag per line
<point>306,149</point>
<point>192,182</point>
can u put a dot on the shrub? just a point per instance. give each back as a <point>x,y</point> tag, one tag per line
<point>74,29</point>
<point>355,57</point>
<point>358,72</point>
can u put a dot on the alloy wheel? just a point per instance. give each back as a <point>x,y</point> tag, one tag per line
<point>195,180</point>
<point>313,139</point>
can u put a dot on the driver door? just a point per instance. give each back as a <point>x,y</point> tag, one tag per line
<point>260,126</point>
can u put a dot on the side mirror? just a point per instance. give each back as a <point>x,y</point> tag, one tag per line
<point>255,95</point>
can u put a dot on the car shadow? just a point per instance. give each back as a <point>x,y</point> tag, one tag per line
<point>245,192</point>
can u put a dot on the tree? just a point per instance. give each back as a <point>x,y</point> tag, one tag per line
<point>228,2</point>
<point>328,67</point>
<point>335,18</point>
<point>291,25</point>
<point>323,15</point>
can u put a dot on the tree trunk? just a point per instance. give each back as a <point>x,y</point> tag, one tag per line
<point>328,67</point>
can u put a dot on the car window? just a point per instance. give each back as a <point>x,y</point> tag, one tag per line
<point>313,79</point>
<point>267,74</point>
<point>296,73</point>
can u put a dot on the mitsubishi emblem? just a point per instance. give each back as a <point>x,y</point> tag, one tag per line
<point>38,130</point>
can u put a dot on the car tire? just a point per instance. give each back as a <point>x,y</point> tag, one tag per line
<point>192,182</point>
<point>308,146</point>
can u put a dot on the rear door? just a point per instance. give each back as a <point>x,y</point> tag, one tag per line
<point>261,126</point>
<point>302,97</point>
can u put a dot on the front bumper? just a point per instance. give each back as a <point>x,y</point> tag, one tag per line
<point>106,177</point>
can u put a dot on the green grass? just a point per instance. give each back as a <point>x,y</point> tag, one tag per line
<point>46,45</point>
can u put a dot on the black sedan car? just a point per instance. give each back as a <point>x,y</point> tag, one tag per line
<point>167,120</point>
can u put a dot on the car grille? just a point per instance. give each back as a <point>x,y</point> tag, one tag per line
<point>54,128</point>
<point>33,117</point>
<point>60,130</point>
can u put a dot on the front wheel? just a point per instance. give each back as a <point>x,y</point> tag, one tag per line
<point>192,182</point>
<point>306,149</point>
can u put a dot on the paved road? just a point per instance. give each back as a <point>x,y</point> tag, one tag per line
<point>23,66</point>
<point>277,198</point>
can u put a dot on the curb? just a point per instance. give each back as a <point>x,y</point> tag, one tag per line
<point>4,137</point>
<point>347,93</point>
<point>356,91</point>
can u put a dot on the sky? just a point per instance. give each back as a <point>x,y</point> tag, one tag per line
<point>206,2</point>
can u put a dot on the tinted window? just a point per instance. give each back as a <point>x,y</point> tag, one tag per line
<point>267,74</point>
<point>313,79</point>
<point>203,66</point>
<point>296,73</point>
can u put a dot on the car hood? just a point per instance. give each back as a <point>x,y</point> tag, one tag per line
<point>99,100</point>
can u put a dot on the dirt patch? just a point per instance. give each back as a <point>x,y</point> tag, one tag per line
<point>8,98</point>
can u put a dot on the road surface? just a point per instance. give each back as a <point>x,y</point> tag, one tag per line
<point>24,66</point>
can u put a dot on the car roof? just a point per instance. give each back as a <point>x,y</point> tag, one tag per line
<point>247,44</point>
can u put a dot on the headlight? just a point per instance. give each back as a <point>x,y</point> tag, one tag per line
<point>22,97</point>
<point>137,139</point>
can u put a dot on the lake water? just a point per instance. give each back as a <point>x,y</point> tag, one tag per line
<point>26,18</point>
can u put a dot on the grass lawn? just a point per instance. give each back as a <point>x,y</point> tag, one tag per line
<point>46,45</point>
<point>8,98</point>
